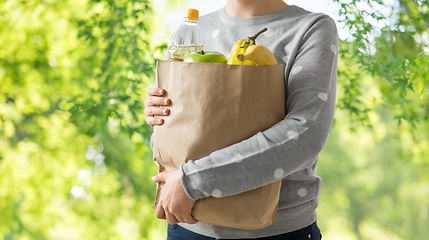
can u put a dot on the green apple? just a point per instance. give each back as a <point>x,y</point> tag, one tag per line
<point>205,56</point>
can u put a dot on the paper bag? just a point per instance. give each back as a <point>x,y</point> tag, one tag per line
<point>214,106</point>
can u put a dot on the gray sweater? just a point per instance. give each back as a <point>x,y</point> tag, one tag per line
<point>307,45</point>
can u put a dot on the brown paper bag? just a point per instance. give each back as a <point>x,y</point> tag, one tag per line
<point>214,106</point>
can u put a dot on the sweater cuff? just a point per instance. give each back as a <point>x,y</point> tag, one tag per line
<point>186,184</point>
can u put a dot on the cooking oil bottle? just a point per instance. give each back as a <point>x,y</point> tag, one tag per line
<point>186,39</point>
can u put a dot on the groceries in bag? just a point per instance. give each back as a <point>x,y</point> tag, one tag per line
<point>205,56</point>
<point>246,52</point>
<point>186,39</point>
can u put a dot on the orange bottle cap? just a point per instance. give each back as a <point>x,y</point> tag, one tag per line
<point>192,14</point>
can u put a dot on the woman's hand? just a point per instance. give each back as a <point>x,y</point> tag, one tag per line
<point>174,205</point>
<point>152,110</point>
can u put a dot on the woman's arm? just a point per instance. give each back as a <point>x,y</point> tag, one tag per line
<point>289,146</point>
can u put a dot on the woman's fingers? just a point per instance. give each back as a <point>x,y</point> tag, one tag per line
<point>171,219</point>
<point>156,111</point>
<point>160,213</point>
<point>152,112</point>
<point>154,121</point>
<point>155,91</point>
<point>189,219</point>
<point>152,106</point>
<point>156,101</point>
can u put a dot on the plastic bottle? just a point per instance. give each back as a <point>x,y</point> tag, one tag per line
<point>186,39</point>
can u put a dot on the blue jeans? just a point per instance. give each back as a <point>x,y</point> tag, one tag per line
<point>312,232</point>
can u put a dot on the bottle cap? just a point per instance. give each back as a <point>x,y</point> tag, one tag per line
<point>192,14</point>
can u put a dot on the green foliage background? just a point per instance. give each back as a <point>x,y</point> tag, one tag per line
<point>75,161</point>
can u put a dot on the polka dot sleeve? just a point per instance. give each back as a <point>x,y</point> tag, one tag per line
<point>294,143</point>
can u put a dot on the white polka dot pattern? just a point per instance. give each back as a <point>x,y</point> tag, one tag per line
<point>278,173</point>
<point>284,59</point>
<point>334,49</point>
<point>217,193</point>
<point>297,69</point>
<point>323,96</point>
<point>237,158</point>
<point>302,192</point>
<point>269,33</point>
<point>215,33</point>
<point>293,135</point>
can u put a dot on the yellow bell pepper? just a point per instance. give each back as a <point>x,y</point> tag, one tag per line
<point>233,59</point>
<point>259,55</point>
<point>240,47</point>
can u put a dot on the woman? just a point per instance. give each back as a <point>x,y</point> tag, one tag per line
<point>307,45</point>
